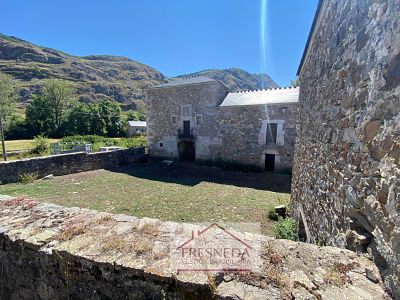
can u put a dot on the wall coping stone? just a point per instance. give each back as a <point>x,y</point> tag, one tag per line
<point>77,236</point>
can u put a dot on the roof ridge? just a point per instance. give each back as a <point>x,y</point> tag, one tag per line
<point>270,89</point>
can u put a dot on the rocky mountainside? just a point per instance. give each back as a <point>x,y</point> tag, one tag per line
<point>118,78</point>
<point>237,79</point>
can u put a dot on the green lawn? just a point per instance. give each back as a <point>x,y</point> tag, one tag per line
<point>22,144</point>
<point>180,192</point>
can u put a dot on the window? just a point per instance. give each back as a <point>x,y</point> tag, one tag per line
<point>198,119</point>
<point>186,110</point>
<point>272,129</point>
<point>161,144</point>
<point>173,119</point>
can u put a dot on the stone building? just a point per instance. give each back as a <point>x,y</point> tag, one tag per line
<point>199,118</point>
<point>346,175</point>
<point>135,126</point>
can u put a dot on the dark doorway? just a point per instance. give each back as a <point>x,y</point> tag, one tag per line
<point>186,151</point>
<point>186,129</point>
<point>270,162</point>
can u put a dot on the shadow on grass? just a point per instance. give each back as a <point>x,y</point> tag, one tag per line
<point>190,174</point>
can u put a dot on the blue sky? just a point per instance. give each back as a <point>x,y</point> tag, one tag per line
<point>173,36</point>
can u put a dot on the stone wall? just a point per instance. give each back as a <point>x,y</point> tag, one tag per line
<point>346,184</point>
<point>243,134</point>
<point>63,164</point>
<point>52,252</point>
<point>183,103</point>
<point>226,133</point>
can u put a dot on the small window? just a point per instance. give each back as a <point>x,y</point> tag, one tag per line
<point>173,119</point>
<point>161,144</point>
<point>272,129</point>
<point>198,119</point>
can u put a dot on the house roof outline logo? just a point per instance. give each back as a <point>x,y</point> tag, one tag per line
<point>200,232</point>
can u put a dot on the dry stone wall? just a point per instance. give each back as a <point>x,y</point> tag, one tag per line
<point>52,252</point>
<point>346,189</point>
<point>64,164</point>
<point>243,134</point>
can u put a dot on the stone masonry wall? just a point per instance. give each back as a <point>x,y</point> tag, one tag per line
<point>63,164</point>
<point>52,252</point>
<point>243,133</point>
<point>162,104</point>
<point>346,183</point>
<point>228,133</point>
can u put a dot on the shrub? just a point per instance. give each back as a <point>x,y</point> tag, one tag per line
<point>40,145</point>
<point>285,229</point>
<point>138,133</point>
<point>28,177</point>
<point>272,215</point>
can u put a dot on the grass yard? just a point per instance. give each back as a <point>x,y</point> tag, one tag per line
<point>22,144</point>
<point>180,192</point>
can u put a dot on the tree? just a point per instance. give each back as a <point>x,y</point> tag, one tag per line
<point>132,116</point>
<point>77,121</point>
<point>7,95</point>
<point>111,115</point>
<point>39,116</point>
<point>97,125</point>
<point>58,95</point>
<point>295,82</point>
<point>141,111</point>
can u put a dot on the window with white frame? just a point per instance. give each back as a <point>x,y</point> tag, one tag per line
<point>271,133</point>
<point>199,119</point>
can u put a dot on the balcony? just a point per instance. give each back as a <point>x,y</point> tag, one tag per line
<point>184,135</point>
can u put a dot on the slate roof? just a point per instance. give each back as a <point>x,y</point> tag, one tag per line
<point>137,123</point>
<point>270,96</point>
<point>184,81</point>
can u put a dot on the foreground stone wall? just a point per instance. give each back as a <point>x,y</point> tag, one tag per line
<point>52,252</point>
<point>64,164</point>
<point>346,184</point>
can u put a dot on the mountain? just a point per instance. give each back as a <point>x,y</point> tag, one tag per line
<point>118,78</point>
<point>237,79</point>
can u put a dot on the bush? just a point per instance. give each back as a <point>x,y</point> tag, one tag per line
<point>285,229</point>
<point>272,215</point>
<point>98,141</point>
<point>138,133</point>
<point>28,177</point>
<point>92,139</point>
<point>40,145</point>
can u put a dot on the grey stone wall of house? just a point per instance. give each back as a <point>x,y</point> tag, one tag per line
<point>228,133</point>
<point>346,183</point>
<point>63,164</point>
<point>167,109</point>
<point>52,252</point>
<point>243,130</point>
<point>132,130</point>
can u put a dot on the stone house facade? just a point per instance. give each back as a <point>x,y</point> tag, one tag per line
<point>200,119</point>
<point>346,175</point>
<point>135,126</point>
